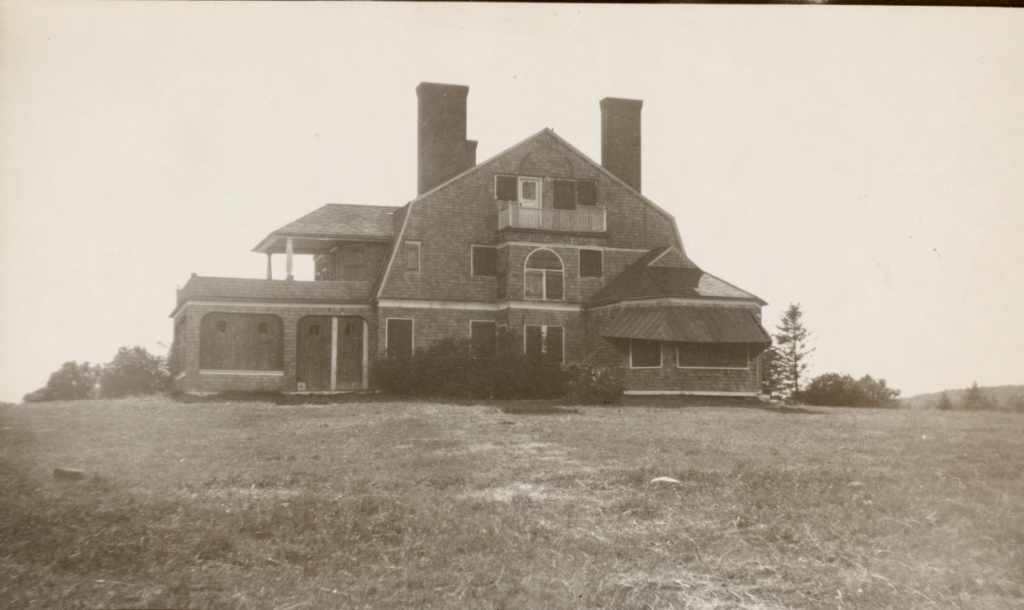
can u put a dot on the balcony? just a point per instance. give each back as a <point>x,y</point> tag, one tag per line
<point>583,220</point>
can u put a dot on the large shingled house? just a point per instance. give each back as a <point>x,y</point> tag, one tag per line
<point>539,241</point>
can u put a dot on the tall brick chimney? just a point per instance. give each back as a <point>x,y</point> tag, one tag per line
<point>620,138</point>
<point>444,151</point>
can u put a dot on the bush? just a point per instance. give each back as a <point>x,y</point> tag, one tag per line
<point>132,372</point>
<point>589,384</point>
<point>451,368</point>
<point>835,390</point>
<point>72,381</point>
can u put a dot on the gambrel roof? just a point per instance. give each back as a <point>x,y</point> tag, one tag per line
<point>334,221</point>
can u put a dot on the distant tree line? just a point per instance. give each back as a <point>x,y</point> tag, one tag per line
<point>133,372</point>
<point>975,399</point>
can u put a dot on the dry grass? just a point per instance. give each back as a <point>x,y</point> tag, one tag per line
<point>381,505</point>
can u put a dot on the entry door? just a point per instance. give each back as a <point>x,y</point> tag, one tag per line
<point>350,354</point>
<point>313,358</point>
<point>529,192</point>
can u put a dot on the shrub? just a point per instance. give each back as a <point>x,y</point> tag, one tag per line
<point>72,381</point>
<point>133,371</point>
<point>835,390</point>
<point>944,404</point>
<point>451,368</point>
<point>590,384</point>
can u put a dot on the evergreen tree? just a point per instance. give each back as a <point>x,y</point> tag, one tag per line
<point>945,404</point>
<point>769,373</point>
<point>976,400</point>
<point>793,351</point>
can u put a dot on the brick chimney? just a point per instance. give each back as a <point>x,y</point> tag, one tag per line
<point>620,138</point>
<point>444,151</point>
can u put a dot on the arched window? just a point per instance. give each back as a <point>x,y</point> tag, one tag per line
<point>543,276</point>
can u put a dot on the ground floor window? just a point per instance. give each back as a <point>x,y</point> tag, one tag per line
<point>399,339</point>
<point>543,342</point>
<point>483,337</point>
<point>713,356</point>
<point>644,354</point>
<point>241,342</point>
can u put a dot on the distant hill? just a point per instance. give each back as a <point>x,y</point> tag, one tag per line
<point>1000,394</point>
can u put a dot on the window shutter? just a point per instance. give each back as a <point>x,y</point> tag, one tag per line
<point>554,345</point>
<point>591,263</point>
<point>399,338</point>
<point>483,338</point>
<point>565,195</point>
<point>586,192</point>
<point>505,188</point>
<point>412,256</point>
<point>485,261</point>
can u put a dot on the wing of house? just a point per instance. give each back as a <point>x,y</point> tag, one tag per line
<point>562,253</point>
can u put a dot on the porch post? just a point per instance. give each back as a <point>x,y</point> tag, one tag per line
<point>288,258</point>
<point>366,354</point>
<point>270,272</point>
<point>334,353</point>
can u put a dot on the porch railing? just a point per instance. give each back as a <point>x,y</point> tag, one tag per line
<point>584,220</point>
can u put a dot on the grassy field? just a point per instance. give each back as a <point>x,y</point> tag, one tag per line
<point>385,505</point>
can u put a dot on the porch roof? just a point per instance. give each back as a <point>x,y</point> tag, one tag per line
<point>699,324</point>
<point>317,231</point>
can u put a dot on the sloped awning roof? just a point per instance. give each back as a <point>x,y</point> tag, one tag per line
<point>334,221</point>
<point>667,273</point>
<point>687,325</point>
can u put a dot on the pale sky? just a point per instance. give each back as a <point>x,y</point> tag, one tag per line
<point>866,162</point>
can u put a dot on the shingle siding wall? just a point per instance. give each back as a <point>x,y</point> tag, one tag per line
<point>615,352</point>
<point>465,212</point>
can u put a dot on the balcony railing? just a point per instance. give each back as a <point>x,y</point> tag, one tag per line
<point>583,220</point>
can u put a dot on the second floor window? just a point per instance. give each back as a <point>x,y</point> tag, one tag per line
<point>543,276</point>
<point>485,261</point>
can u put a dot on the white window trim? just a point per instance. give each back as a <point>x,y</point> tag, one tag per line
<point>714,368</point>
<point>540,190</point>
<point>544,290</point>
<point>472,266</point>
<point>661,357</point>
<point>387,329</point>
<point>419,256</point>
<point>579,266</point>
<point>544,337</point>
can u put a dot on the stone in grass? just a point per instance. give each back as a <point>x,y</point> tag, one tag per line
<point>665,480</point>
<point>69,474</point>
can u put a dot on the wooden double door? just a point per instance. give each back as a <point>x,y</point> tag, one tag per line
<point>331,354</point>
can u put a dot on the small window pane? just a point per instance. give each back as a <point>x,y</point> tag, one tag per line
<point>700,355</point>
<point>586,192</point>
<point>222,326</point>
<point>644,354</point>
<point>534,342</point>
<point>262,328</point>
<point>485,261</point>
<point>565,194</point>
<point>553,344</point>
<point>529,190</point>
<point>534,284</point>
<point>502,286</point>
<point>554,286</point>
<point>591,263</point>
<point>543,259</point>
<point>505,188</point>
